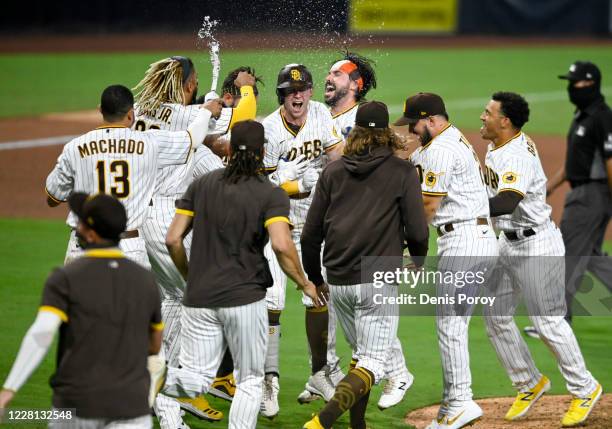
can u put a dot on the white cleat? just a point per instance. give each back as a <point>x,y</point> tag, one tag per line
<point>320,384</point>
<point>394,391</point>
<point>269,403</point>
<point>336,375</point>
<point>308,395</point>
<point>457,416</point>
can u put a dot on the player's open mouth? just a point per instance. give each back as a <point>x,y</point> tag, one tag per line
<point>297,104</point>
<point>329,87</point>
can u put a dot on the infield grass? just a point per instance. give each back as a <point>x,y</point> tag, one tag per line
<point>32,84</point>
<point>31,248</point>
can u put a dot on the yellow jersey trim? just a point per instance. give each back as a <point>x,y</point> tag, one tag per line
<point>104,253</point>
<point>344,111</point>
<point>50,309</point>
<point>102,127</point>
<point>288,128</point>
<point>507,141</point>
<point>511,190</point>
<point>432,140</point>
<point>434,194</point>
<point>158,326</point>
<point>333,145</point>
<point>185,212</point>
<point>276,219</point>
<point>53,198</point>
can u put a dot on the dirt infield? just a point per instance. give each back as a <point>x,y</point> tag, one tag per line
<point>546,414</point>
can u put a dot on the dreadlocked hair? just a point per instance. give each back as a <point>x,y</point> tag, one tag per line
<point>243,164</point>
<point>229,87</point>
<point>362,139</point>
<point>366,71</point>
<point>162,83</point>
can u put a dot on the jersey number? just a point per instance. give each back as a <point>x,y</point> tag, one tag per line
<point>142,126</point>
<point>119,174</point>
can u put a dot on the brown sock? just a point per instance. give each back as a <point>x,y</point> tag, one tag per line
<point>358,412</point>
<point>227,364</point>
<point>349,392</point>
<point>316,331</point>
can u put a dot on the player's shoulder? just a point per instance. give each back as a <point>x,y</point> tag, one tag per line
<point>319,109</point>
<point>272,120</point>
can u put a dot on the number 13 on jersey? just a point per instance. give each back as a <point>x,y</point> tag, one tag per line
<point>114,178</point>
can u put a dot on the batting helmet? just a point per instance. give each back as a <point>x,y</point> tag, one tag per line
<point>292,77</point>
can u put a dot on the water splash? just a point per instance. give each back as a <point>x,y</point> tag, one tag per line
<point>206,34</point>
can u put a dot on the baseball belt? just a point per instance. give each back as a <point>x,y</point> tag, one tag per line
<point>445,229</point>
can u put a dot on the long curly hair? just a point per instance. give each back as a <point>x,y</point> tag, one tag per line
<point>366,71</point>
<point>162,83</point>
<point>361,139</point>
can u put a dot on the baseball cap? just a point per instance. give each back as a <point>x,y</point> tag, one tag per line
<point>372,114</point>
<point>247,135</point>
<point>582,70</point>
<point>420,106</point>
<point>101,212</point>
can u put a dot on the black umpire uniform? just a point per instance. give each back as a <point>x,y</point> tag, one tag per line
<point>588,206</point>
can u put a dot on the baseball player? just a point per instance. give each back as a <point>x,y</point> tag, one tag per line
<point>299,130</point>
<point>341,215</point>
<point>456,203</point>
<point>232,211</point>
<point>163,101</point>
<point>532,253</point>
<point>347,83</point>
<point>119,161</point>
<point>107,311</point>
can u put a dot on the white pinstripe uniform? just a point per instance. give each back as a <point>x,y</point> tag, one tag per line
<point>172,182</point>
<point>121,162</point>
<point>396,363</point>
<point>313,139</point>
<point>449,168</point>
<point>532,265</point>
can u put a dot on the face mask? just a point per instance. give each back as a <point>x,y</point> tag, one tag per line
<point>583,97</point>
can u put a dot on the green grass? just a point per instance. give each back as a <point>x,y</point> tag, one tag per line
<point>32,84</point>
<point>31,248</point>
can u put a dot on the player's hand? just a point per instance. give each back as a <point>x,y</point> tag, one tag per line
<point>323,293</point>
<point>309,179</point>
<point>244,79</point>
<point>214,106</point>
<point>6,396</point>
<point>310,290</point>
<point>291,170</point>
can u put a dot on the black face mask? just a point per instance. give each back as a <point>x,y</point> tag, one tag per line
<point>583,97</point>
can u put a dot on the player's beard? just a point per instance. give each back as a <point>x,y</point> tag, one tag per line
<point>425,137</point>
<point>338,94</point>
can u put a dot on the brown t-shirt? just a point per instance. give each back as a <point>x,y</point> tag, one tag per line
<point>227,267</point>
<point>108,305</point>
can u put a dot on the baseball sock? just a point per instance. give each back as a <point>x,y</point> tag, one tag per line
<point>272,352</point>
<point>358,410</point>
<point>227,364</point>
<point>349,392</point>
<point>316,331</point>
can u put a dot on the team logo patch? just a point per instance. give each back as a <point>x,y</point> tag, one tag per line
<point>295,74</point>
<point>509,177</point>
<point>580,131</point>
<point>608,143</point>
<point>430,178</point>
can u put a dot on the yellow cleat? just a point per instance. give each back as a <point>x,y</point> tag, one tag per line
<point>580,408</point>
<point>224,387</point>
<point>200,408</point>
<point>313,424</point>
<point>525,400</point>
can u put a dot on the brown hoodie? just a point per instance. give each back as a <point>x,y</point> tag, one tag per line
<point>367,204</point>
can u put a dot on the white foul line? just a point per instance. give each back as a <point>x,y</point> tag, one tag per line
<point>452,105</point>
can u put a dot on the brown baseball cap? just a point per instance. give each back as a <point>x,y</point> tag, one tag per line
<point>101,212</point>
<point>247,135</point>
<point>372,114</point>
<point>420,106</point>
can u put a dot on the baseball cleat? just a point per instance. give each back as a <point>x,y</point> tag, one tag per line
<point>313,423</point>
<point>269,403</point>
<point>580,408</point>
<point>200,408</point>
<point>532,332</point>
<point>525,400</point>
<point>458,416</point>
<point>394,391</point>
<point>336,375</point>
<point>306,397</point>
<point>223,387</point>
<point>320,384</point>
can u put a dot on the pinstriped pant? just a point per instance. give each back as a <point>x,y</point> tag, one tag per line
<point>534,268</point>
<point>205,335</point>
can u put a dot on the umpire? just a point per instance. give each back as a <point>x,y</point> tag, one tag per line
<point>588,169</point>
<point>367,204</point>
<point>232,210</point>
<point>108,311</point>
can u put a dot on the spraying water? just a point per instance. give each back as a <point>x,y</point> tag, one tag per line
<point>206,34</point>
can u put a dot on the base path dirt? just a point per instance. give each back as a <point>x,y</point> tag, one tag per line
<point>546,414</point>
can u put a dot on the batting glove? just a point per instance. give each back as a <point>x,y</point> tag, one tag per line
<point>308,180</point>
<point>291,170</point>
